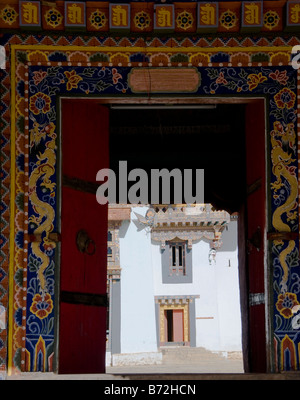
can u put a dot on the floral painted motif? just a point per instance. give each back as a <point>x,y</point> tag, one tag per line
<point>38,76</point>
<point>41,306</point>
<point>221,79</point>
<point>255,79</point>
<point>40,102</point>
<point>280,77</point>
<point>285,304</point>
<point>73,79</point>
<point>285,98</point>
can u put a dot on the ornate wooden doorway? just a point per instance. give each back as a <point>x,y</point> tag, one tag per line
<point>91,119</point>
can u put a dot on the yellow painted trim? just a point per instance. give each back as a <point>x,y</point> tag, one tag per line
<point>12,212</point>
<point>152,49</point>
<point>186,327</point>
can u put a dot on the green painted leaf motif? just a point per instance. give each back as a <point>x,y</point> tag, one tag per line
<point>101,86</point>
<point>243,74</point>
<point>19,277</point>
<point>88,72</point>
<point>33,264</point>
<point>17,358</point>
<point>49,270</point>
<point>22,57</point>
<point>20,124</point>
<point>212,73</point>
<point>231,85</point>
<point>100,57</point>
<point>52,114</point>
<point>293,258</point>
<point>20,201</point>
<point>52,90</point>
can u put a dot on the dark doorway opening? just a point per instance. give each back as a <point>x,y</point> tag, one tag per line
<point>169,325</point>
<point>211,139</point>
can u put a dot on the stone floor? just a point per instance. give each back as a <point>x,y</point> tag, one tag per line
<point>200,366</point>
<point>123,372</point>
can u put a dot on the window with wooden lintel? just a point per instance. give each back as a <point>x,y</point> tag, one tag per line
<point>177,262</point>
<point>177,258</point>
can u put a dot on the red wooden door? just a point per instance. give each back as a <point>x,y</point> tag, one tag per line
<point>82,315</point>
<point>256,224</point>
<point>178,325</point>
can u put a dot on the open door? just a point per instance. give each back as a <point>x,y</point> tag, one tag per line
<point>178,326</point>
<point>82,315</point>
<point>255,228</point>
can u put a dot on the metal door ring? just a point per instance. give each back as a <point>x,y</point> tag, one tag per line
<point>84,243</point>
<point>90,244</point>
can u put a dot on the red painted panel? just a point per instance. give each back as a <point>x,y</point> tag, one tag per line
<point>85,138</point>
<point>82,339</point>
<point>81,272</point>
<point>178,325</point>
<point>82,328</point>
<point>256,217</point>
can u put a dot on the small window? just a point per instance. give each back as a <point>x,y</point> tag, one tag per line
<point>110,246</point>
<point>177,258</point>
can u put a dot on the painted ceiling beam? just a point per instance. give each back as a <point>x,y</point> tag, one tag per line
<point>147,17</point>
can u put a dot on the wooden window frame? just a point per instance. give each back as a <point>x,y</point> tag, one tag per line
<point>174,256</point>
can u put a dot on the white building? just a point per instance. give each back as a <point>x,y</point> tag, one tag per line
<point>172,281</point>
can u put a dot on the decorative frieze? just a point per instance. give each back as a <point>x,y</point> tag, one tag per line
<point>188,223</point>
<point>118,213</point>
<point>208,16</point>
<point>293,14</point>
<point>97,16</point>
<point>164,17</point>
<point>113,275</point>
<point>184,17</point>
<point>75,14</point>
<point>252,15</point>
<point>176,300</point>
<point>119,17</point>
<point>53,17</point>
<point>30,14</point>
<point>141,17</point>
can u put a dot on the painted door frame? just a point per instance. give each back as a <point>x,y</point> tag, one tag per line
<point>196,100</point>
<point>256,59</point>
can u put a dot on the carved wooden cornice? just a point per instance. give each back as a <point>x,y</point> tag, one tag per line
<point>188,223</point>
<point>114,273</point>
<point>118,213</point>
<point>176,300</point>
